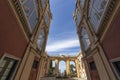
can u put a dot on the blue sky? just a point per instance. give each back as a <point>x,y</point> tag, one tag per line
<point>62,38</point>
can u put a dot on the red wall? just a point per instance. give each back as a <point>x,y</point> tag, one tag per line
<point>111,42</point>
<point>12,39</point>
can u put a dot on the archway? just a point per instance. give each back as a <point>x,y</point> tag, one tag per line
<point>73,71</point>
<point>62,68</point>
<point>51,71</point>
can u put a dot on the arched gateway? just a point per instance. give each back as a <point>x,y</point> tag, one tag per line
<point>67,60</point>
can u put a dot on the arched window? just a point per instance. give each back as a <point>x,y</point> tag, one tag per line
<point>82,2</point>
<point>96,8</point>
<point>78,17</point>
<point>85,38</point>
<point>73,70</point>
<point>30,9</point>
<point>62,68</point>
<point>47,19</point>
<point>41,39</point>
<point>43,2</point>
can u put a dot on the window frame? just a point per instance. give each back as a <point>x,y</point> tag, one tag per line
<point>35,64</point>
<point>6,55</point>
<point>43,6</point>
<point>114,69</point>
<point>92,66</point>
<point>27,17</point>
<point>85,47</point>
<point>42,45</point>
<point>48,18</point>
<point>83,3</point>
<point>97,27</point>
<point>77,17</point>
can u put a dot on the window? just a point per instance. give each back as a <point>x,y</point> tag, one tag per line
<point>96,8</point>
<point>47,19</point>
<point>7,68</point>
<point>35,64</point>
<point>78,18</point>
<point>43,3</point>
<point>85,38</point>
<point>92,65</point>
<point>117,67</point>
<point>41,39</point>
<point>30,7</point>
<point>82,2</point>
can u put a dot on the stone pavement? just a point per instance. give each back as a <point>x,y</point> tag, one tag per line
<point>54,78</point>
<point>48,78</point>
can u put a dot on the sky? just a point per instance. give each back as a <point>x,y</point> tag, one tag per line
<point>62,38</point>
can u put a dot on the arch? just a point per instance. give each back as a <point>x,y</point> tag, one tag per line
<point>62,68</point>
<point>53,63</point>
<point>73,70</point>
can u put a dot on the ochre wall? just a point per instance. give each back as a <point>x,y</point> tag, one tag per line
<point>111,42</point>
<point>12,39</point>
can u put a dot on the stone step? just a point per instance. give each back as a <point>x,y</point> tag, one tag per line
<point>54,78</point>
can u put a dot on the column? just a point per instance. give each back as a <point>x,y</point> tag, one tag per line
<point>67,67</point>
<point>44,68</point>
<point>48,65</point>
<point>41,67</point>
<point>39,70</point>
<point>56,67</point>
<point>77,68</point>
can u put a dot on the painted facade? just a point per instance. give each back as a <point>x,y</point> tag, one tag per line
<point>97,24</point>
<point>23,36</point>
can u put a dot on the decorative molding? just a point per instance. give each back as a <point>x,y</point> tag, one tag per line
<point>106,16</point>
<point>21,16</point>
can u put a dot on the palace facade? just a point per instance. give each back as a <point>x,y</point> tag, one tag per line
<point>23,36</point>
<point>97,23</point>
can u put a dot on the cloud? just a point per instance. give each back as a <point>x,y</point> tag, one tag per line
<point>61,45</point>
<point>62,37</point>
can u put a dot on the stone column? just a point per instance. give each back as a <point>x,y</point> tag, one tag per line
<point>67,67</point>
<point>77,68</point>
<point>42,66</point>
<point>56,67</point>
<point>48,65</point>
